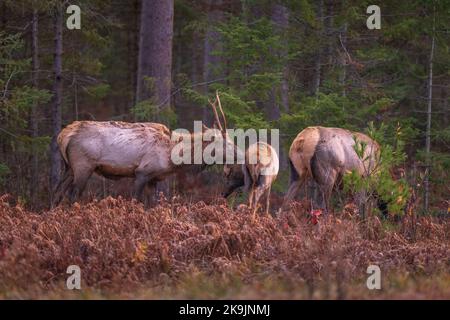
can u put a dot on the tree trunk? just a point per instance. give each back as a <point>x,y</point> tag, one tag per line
<point>212,43</point>
<point>318,60</point>
<point>280,18</point>
<point>55,157</point>
<point>330,39</point>
<point>132,36</point>
<point>34,108</point>
<point>343,61</point>
<point>428,133</point>
<point>155,52</point>
<point>155,58</point>
<point>285,89</point>
<point>446,108</point>
<point>4,15</point>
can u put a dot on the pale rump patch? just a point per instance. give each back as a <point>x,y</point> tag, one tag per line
<point>262,158</point>
<point>303,148</point>
<point>65,136</point>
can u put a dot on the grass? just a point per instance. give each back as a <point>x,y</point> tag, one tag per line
<point>181,249</point>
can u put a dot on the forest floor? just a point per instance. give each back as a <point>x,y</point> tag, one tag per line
<point>206,251</point>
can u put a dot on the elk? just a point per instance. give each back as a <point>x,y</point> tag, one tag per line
<point>257,173</point>
<point>325,155</point>
<point>113,150</point>
<point>118,149</point>
<point>257,176</point>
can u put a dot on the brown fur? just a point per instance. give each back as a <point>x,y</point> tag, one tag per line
<point>252,174</point>
<point>72,129</point>
<point>325,155</point>
<point>114,150</point>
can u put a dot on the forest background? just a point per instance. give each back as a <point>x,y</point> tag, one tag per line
<point>278,64</point>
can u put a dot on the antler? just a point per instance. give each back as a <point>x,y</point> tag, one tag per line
<point>213,105</point>
<point>221,110</point>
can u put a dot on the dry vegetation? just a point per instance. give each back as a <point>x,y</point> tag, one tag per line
<point>198,250</point>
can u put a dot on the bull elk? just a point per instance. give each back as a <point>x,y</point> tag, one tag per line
<point>325,155</point>
<point>115,150</point>
<point>257,176</point>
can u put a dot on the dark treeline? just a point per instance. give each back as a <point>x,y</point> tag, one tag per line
<point>284,64</point>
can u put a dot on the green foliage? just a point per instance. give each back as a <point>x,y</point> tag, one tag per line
<point>253,71</point>
<point>147,110</point>
<point>150,110</point>
<point>250,50</point>
<point>10,45</point>
<point>194,96</point>
<point>20,102</point>
<point>378,180</point>
<point>17,100</point>
<point>26,145</point>
<point>332,110</point>
<point>242,114</point>
<point>4,172</point>
<point>99,91</point>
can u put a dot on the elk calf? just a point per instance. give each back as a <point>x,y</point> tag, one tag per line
<point>257,174</point>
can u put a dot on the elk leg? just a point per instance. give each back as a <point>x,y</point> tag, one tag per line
<point>61,181</point>
<point>249,185</point>
<point>268,199</point>
<point>259,191</point>
<point>250,197</point>
<point>255,205</point>
<point>292,192</point>
<point>139,185</point>
<point>67,184</point>
<point>326,195</point>
<point>152,187</point>
<point>296,181</point>
<point>62,187</point>
<point>79,182</point>
<point>326,187</point>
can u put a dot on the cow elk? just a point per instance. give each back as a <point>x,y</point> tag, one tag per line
<point>325,155</point>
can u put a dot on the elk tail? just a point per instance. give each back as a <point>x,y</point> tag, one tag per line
<point>65,136</point>
<point>293,172</point>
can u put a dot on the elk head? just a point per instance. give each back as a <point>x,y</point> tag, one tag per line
<point>233,175</point>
